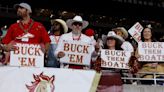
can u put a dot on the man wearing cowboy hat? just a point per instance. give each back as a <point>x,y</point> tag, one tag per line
<point>58,27</point>
<point>121,31</point>
<point>26,30</point>
<point>77,24</point>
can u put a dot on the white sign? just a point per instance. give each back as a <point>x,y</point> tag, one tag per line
<point>151,51</point>
<point>115,59</point>
<point>27,55</point>
<point>76,52</point>
<point>30,79</point>
<point>135,31</point>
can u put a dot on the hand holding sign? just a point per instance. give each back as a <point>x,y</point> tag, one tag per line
<point>10,47</point>
<point>61,54</point>
<point>115,59</point>
<point>76,52</point>
<point>27,55</point>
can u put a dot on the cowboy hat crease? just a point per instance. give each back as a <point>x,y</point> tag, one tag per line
<point>77,19</point>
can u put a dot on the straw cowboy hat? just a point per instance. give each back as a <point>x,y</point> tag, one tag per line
<point>62,22</point>
<point>123,30</point>
<point>112,34</point>
<point>77,19</point>
<point>24,5</point>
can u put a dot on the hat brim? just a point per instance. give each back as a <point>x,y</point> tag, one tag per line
<point>16,6</point>
<point>70,21</point>
<point>123,30</point>
<point>62,22</point>
<point>118,38</point>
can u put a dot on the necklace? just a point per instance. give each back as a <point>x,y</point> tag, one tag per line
<point>26,30</point>
<point>78,38</point>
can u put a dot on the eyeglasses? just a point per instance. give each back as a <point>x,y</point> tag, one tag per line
<point>77,23</point>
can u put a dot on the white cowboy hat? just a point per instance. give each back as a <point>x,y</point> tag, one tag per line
<point>112,34</point>
<point>123,30</point>
<point>149,26</point>
<point>24,5</point>
<point>77,19</point>
<point>62,22</point>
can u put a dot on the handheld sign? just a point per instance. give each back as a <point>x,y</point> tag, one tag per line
<point>76,52</point>
<point>151,51</point>
<point>115,59</point>
<point>135,31</point>
<point>27,55</point>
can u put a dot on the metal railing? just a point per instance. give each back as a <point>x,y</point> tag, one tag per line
<point>138,77</point>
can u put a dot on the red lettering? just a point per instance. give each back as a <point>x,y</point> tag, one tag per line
<point>66,47</point>
<point>71,57</point>
<point>75,58</point>
<point>79,59</point>
<point>37,51</point>
<point>78,48</point>
<point>31,61</point>
<point>138,27</point>
<point>23,50</point>
<point>22,61</point>
<point>115,64</point>
<point>85,49</point>
<point>29,51</point>
<point>73,47</point>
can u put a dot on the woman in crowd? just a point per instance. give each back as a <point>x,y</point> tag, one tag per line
<point>148,67</point>
<point>58,28</point>
<point>110,80</point>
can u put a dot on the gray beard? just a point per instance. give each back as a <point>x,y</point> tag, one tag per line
<point>76,32</point>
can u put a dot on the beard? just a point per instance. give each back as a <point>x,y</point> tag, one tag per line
<point>19,15</point>
<point>76,32</point>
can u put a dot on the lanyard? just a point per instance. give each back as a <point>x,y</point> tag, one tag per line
<point>77,38</point>
<point>56,39</point>
<point>26,30</point>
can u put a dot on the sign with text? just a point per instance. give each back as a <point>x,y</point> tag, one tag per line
<point>135,31</point>
<point>115,59</point>
<point>151,51</point>
<point>27,55</point>
<point>76,52</point>
<point>31,79</point>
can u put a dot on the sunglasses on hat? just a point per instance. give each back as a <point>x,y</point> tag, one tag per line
<point>77,23</point>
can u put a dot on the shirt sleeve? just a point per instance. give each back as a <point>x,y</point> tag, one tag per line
<point>44,34</point>
<point>8,37</point>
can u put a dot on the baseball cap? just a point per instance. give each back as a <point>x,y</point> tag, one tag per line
<point>24,5</point>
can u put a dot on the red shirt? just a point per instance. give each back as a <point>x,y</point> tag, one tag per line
<point>37,30</point>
